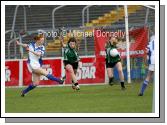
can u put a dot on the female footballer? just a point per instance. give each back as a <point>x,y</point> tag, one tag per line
<point>113,61</point>
<point>35,52</point>
<point>151,62</point>
<point>71,59</point>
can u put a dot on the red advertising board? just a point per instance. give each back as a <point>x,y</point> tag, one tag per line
<point>11,73</point>
<point>90,72</point>
<point>138,42</point>
<point>53,67</point>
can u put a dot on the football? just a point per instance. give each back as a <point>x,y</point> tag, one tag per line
<point>114,52</point>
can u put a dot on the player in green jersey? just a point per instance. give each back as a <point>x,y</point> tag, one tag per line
<point>71,59</point>
<point>113,60</point>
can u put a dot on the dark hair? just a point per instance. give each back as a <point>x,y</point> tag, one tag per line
<point>72,39</point>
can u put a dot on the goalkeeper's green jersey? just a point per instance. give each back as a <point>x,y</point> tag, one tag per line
<point>70,55</point>
<point>109,58</point>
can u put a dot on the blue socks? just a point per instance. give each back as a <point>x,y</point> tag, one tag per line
<point>51,77</point>
<point>30,87</point>
<point>143,87</point>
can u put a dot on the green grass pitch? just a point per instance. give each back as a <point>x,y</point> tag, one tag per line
<point>90,99</point>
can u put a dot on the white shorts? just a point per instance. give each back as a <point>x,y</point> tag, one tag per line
<point>32,66</point>
<point>151,67</point>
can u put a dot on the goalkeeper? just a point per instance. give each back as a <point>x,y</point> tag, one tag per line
<point>113,60</point>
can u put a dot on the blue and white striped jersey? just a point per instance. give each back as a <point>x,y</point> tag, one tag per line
<point>151,52</point>
<point>34,59</point>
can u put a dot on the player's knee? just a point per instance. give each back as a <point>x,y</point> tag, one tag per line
<point>36,83</point>
<point>69,68</point>
<point>110,74</point>
<point>120,70</point>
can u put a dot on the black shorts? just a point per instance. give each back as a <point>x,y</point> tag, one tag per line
<point>74,65</point>
<point>111,65</point>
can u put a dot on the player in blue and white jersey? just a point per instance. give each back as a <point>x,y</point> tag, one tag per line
<point>151,62</point>
<point>36,50</point>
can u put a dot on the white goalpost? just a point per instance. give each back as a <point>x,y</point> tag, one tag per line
<point>127,43</point>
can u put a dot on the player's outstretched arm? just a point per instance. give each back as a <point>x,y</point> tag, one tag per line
<point>21,44</point>
<point>62,42</point>
<point>78,44</point>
